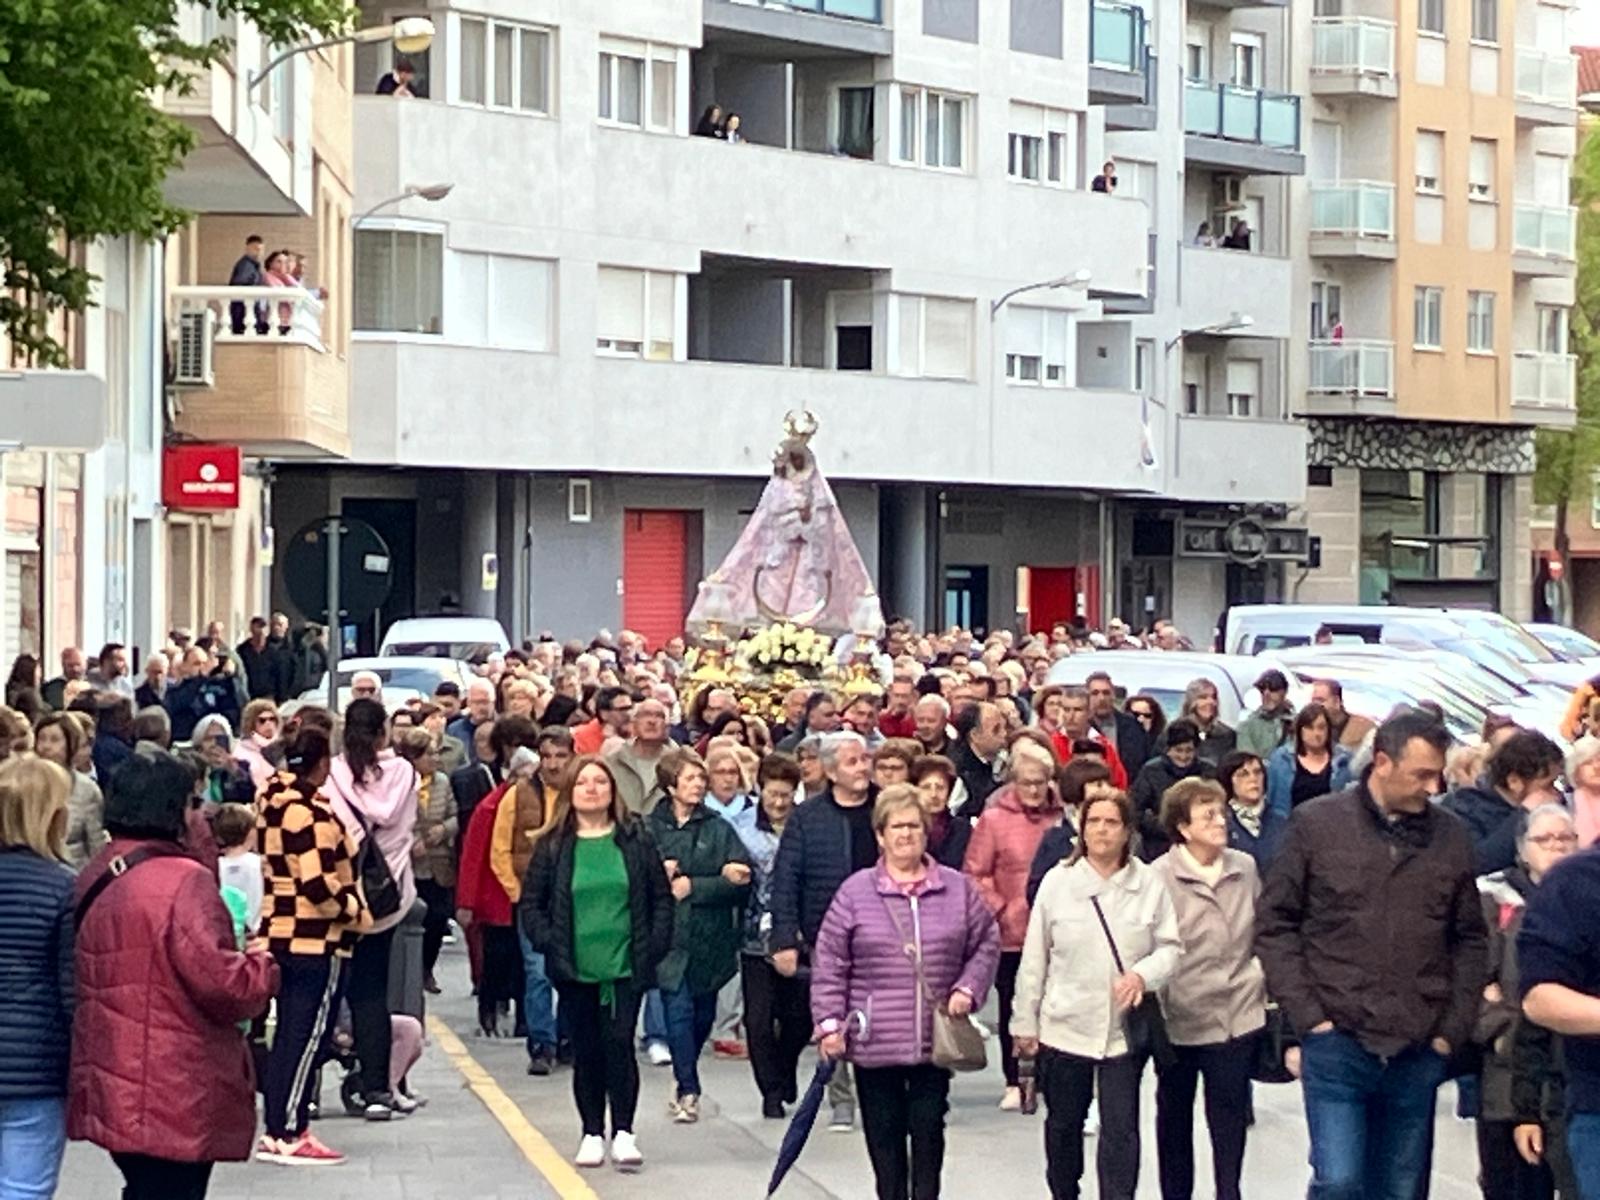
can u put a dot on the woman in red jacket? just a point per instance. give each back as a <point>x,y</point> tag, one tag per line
<point>161,1076</point>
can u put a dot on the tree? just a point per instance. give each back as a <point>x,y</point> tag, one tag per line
<point>83,148</point>
<point>1568,458</point>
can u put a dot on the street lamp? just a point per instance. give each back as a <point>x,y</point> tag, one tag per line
<point>1078,281</point>
<point>1236,321</point>
<point>423,191</point>
<point>410,35</point>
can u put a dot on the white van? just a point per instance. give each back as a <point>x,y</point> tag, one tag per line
<point>469,639</point>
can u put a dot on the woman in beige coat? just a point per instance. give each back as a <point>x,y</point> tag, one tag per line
<point>1215,1002</point>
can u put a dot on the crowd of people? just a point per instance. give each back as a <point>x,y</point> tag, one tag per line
<point>640,866</point>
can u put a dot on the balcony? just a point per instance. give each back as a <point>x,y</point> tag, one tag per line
<point>1544,388</point>
<point>784,30</point>
<point>1543,241</point>
<point>1242,129</point>
<point>1351,378</point>
<point>1352,220</point>
<point>1116,53</point>
<point>1141,114</point>
<point>268,383</point>
<point>1208,463</point>
<point>1547,87</point>
<point>1353,56</point>
<point>1216,285</point>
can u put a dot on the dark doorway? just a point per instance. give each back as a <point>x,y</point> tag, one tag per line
<point>396,523</point>
<point>966,597</point>
<point>853,348</point>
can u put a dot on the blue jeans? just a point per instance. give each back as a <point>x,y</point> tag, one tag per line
<point>689,1021</point>
<point>33,1135</point>
<point>538,1001</point>
<point>655,1018</point>
<point>1583,1145</point>
<point>1370,1119</point>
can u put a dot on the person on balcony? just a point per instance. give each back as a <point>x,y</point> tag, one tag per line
<point>397,81</point>
<point>278,274</point>
<point>247,273</point>
<point>1106,181</point>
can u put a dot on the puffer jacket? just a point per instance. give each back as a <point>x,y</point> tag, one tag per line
<point>1154,778</point>
<point>708,923</point>
<point>814,858</point>
<point>36,965</point>
<point>387,806</point>
<point>860,965</point>
<point>159,1066</point>
<point>1001,852</point>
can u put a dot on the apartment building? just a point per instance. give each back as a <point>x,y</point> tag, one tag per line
<point>1434,274</point>
<point>570,372</point>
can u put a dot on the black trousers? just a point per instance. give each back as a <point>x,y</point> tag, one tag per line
<point>1067,1084</point>
<point>777,1024</point>
<point>441,903</point>
<point>1005,986</point>
<point>368,997</point>
<point>1503,1174</point>
<point>904,1108</point>
<point>1225,1066</point>
<point>308,1002</point>
<point>147,1178</point>
<point>502,965</point>
<point>604,1068</point>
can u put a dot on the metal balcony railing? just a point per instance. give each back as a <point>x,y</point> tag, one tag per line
<point>1355,368</point>
<point>1241,114</point>
<point>1360,209</point>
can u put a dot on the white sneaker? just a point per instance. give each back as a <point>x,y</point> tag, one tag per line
<point>591,1151</point>
<point>1091,1123</point>
<point>625,1155</point>
<point>659,1055</point>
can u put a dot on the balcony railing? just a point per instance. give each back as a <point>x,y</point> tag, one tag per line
<point>1547,78</point>
<point>1116,35</point>
<point>1352,46</point>
<point>262,315</point>
<point>1241,114</point>
<point>854,10</point>
<point>1352,368</point>
<point>1360,209</point>
<point>1543,380</point>
<point>1546,231</point>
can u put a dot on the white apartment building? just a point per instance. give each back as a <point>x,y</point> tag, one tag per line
<point>568,375</point>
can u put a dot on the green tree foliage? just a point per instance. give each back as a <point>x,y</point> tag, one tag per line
<point>84,150</point>
<point>1568,458</point>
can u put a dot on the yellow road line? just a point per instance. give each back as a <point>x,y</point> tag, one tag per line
<point>536,1148</point>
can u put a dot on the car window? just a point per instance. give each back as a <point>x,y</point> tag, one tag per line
<point>1511,640</point>
<point>472,652</point>
<point>416,679</point>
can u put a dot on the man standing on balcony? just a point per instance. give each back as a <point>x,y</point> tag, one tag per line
<point>247,272</point>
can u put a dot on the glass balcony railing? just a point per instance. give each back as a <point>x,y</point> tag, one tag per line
<point>1359,368</point>
<point>1241,114</point>
<point>854,10</point>
<point>1352,46</point>
<point>1547,78</point>
<point>1360,209</point>
<point>1116,35</point>
<point>1543,380</point>
<point>1548,231</point>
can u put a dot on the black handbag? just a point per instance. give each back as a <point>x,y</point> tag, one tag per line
<point>1144,1025</point>
<point>378,885</point>
<point>1277,1038</point>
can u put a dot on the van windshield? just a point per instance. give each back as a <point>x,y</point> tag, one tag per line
<point>475,653</point>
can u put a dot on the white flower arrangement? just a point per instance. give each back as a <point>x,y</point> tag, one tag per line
<point>785,645</point>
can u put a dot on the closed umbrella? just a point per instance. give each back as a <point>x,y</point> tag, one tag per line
<point>800,1125</point>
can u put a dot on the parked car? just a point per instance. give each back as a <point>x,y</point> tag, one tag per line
<point>1166,675</point>
<point>1571,644</point>
<point>467,639</point>
<point>403,678</point>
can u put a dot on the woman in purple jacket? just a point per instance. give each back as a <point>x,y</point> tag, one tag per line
<point>880,922</point>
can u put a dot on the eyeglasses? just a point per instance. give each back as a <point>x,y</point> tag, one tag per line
<point>1550,841</point>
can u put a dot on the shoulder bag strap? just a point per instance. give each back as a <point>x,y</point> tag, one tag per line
<point>1116,956</point>
<point>912,950</point>
<point>116,869</point>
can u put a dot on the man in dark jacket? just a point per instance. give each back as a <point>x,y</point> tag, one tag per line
<point>980,736</point>
<point>1126,735</point>
<point>266,669</point>
<point>1371,934</point>
<point>1520,777</point>
<point>247,272</point>
<point>828,839</point>
<point>113,736</point>
<point>204,689</point>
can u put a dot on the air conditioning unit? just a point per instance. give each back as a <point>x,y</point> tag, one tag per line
<point>196,329</point>
<point>1227,192</point>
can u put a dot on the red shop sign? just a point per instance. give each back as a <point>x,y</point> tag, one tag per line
<point>200,477</point>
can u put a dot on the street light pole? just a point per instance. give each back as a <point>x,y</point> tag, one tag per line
<point>1078,281</point>
<point>410,35</point>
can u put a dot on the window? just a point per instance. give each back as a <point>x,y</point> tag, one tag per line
<point>1480,170</point>
<point>502,301</point>
<point>1486,20</point>
<point>932,129</point>
<point>855,122</point>
<point>1480,322</point>
<point>935,337</point>
<point>399,280</point>
<point>1552,329</point>
<point>1043,145</point>
<point>1247,57</point>
<point>1144,366</point>
<point>1430,160</point>
<point>639,87</point>
<point>1026,157</point>
<point>1430,16</point>
<point>1428,316</point>
<point>1244,388</point>
<point>1196,53</point>
<point>1327,305</point>
<point>636,313</point>
<point>503,65</point>
<point>1038,342</point>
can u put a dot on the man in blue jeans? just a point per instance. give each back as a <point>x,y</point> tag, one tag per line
<point>1558,955</point>
<point>1372,937</point>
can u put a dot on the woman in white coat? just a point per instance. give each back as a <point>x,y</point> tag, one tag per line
<point>1072,1000</point>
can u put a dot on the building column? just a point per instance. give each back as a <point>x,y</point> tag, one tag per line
<point>1515,540</point>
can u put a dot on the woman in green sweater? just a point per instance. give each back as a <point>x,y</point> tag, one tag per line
<point>597,905</point>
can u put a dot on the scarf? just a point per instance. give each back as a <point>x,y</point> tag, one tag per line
<point>1248,815</point>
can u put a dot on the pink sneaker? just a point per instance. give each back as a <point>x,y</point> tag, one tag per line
<point>307,1151</point>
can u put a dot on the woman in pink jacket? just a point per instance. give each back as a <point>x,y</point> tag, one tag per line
<point>373,791</point>
<point>998,858</point>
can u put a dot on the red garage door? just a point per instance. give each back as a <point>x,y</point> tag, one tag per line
<point>654,590</point>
